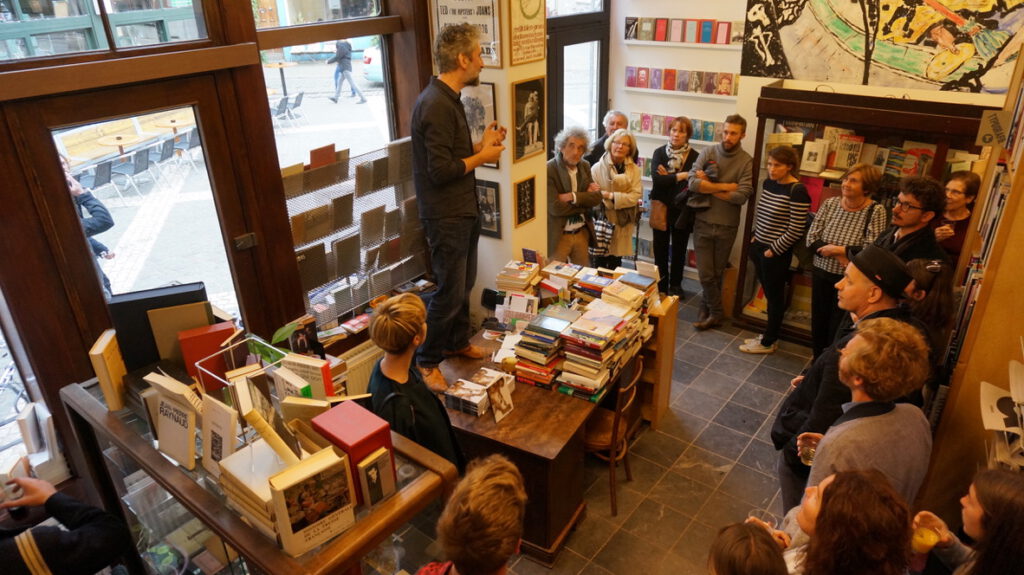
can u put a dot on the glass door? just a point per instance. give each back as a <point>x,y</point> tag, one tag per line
<point>578,71</point>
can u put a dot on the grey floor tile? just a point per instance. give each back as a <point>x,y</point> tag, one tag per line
<point>695,354</point>
<point>761,456</point>
<point>693,545</point>
<point>739,418</point>
<point>683,494</point>
<point>684,328</point>
<point>700,403</point>
<point>599,499</point>
<point>771,378</point>
<point>646,473</point>
<point>684,372</point>
<point>567,563</point>
<point>765,433</point>
<point>722,509</point>
<point>594,569</point>
<point>732,366</point>
<point>722,441</point>
<point>702,465</point>
<point>590,535</point>
<point>786,362</point>
<point>757,397</point>
<point>682,424</point>
<point>659,447</point>
<point>752,487</point>
<point>716,384</point>
<point>628,554</point>
<point>657,523</point>
<point>712,338</point>
<point>688,314</point>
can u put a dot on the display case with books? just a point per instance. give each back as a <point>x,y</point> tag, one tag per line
<point>192,521</point>
<point>832,132</point>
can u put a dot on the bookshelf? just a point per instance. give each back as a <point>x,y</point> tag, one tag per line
<point>676,94</point>
<point>882,121</point>
<point>988,330</point>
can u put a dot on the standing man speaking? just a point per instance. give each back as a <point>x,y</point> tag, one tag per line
<point>444,158</point>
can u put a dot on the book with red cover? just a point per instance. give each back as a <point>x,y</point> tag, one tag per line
<point>322,156</point>
<point>668,80</point>
<point>643,79</point>
<point>203,341</point>
<point>357,432</point>
<point>661,30</point>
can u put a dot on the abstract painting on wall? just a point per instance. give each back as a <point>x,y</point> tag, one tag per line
<point>956,45</point>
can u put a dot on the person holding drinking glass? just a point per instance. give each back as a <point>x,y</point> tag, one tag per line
<point>951,229</point>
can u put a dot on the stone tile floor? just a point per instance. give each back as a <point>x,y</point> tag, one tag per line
<point>711,463</point>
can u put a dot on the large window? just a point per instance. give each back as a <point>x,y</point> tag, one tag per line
<point>279,13</point>
<point>34,28</point>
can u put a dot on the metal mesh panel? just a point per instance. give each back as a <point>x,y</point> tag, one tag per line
<point>356,229</point>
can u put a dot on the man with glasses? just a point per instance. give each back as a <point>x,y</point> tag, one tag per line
<point>911,236</point>
<point>613,120</point>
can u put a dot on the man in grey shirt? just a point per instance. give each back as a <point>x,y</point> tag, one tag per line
<point>720,182</point>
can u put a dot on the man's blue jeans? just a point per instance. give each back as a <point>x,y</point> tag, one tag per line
<point>453,246</point>
<point>339,78</point>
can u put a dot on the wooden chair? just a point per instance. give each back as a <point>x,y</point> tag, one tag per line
<point>607,430</point>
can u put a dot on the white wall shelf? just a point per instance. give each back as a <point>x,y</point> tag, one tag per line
<point>686,45</point>
<point>674,93</point>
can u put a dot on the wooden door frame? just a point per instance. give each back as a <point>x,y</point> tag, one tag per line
<point>55,301</point>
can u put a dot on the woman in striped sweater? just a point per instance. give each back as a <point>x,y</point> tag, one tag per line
<point>779,222</point>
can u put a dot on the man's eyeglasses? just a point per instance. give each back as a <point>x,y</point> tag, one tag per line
<point>906,206</point>
<point>934,266</point>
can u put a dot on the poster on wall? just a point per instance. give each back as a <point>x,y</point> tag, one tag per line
<point>920,44</point>
<point>525,200</point>
<point>528,135</point>
<point>490,208</point>
<point>481,110</point>
<point>527,31</point>
<point>483,14</point>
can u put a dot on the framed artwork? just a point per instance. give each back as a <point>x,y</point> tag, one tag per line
<point>526,200</point>
<point>527,31</point>
<point>490,208</point>
<point>483,14</point>
<point>528,135</point>
<point>481,109</point>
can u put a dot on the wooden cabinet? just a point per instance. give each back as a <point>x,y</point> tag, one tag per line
<point>885,122</point>
<point>658,352</point>
<point>112,445</point>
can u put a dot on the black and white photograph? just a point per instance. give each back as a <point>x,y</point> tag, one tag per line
<point>526,206</point>
<point>490,208</point>
<point>481,109</point>
<point>528,99</point>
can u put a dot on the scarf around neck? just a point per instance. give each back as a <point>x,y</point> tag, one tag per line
<point>677,156</point>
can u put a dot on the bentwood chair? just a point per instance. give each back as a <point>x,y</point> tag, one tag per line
<point>607,432</point>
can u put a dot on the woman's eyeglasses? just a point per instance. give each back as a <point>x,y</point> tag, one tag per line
<point>934,266</point>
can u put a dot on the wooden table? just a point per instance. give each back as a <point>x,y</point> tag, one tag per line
<point>119,141</point>
<point>543,436</point>
<point>173,124</point>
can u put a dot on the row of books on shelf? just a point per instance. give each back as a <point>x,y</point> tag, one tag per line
<point>688,30</point>
<point>673,80</point>
<point>833,151</point>
<point>658,125</point>
<point>328,168</point>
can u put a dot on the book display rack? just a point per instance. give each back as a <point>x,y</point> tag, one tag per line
<point>802,118</point>
<point>183,518</point>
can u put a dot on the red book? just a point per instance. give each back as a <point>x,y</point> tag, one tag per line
<point>661,30</point>
<point>643,77</point>
<point>201,342</point>
<point>668,80</point>
<point>357,432</point>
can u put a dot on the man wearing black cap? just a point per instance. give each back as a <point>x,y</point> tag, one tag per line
<point>871,287</point>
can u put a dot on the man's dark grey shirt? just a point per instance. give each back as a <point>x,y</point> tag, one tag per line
<point>440,140</point>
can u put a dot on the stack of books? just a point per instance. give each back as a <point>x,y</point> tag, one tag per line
<point>561,269</point>
<point>538,351</point>
<point>245,481</point>
<point>647,285</point>
<point>590,286</point>
<point>470,395</point>
<point>596,345</point>
<point>621,293</point>
<point>517,276</point>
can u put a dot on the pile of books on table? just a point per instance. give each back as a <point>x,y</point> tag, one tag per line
<point>590,286</point>
<point>538,351</point>
<point>518,276</point>
<point>472,395</point>
<point>596,345</point>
